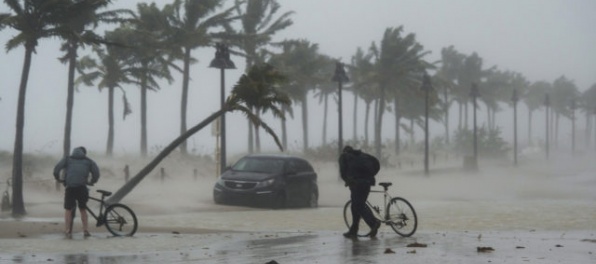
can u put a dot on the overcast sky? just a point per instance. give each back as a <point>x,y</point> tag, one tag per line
<point>542,39</point>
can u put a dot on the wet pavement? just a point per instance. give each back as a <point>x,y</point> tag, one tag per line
<point>309,247</point>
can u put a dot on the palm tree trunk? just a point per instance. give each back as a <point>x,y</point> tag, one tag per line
<point>110,143</point>
<point>304,123</point>
<point>284,135</point>
<point>251,148</point>
<point>447,105</point>
<point>379,123</point>
<point>144,117</point>
<point>18,203</point>
<point>184,99</point>
<point>257,136</point>
<point>325,120</point>
<point>397,120</point>
<point>530,127</point>
<point>366,122</point>
<point>355,119</point>
<point>72,61</point>
<point>459,125</point>
<point>134,181</point>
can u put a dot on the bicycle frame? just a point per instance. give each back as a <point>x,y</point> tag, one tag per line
<point>99,216</point>
<point>376,210</point>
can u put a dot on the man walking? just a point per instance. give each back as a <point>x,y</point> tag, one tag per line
<point>77,168</point>
<point>358,169</point>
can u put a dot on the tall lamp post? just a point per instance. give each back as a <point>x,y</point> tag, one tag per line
<point>515,99</point>
<point>340,77</point>
<point>426,87</point>
<point>547,105</point>
<point>474,92</point>
<point>222,62</point>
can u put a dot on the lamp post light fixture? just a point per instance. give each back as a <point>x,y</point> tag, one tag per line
<point>515,99</point>
<point>475,92</point>
<point>547,139</point>
<point>222,62</point>
<point>340,77</point>
<point>426,87</point>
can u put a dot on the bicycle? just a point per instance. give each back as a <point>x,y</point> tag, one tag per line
<point>119,219</point>
<point>399,214</point>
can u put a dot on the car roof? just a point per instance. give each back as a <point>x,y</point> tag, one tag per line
<point>277,156</point>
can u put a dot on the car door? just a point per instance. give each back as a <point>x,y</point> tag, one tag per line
<point>297,182</point>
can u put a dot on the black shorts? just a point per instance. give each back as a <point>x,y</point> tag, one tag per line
<point>76,195</point>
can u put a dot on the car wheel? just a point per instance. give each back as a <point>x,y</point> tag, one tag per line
<point>217,198</point>
<point>313,199</point>
<point>279,202</point>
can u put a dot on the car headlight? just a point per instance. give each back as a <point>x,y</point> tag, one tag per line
<point>265,183</point>
<point>221,182</point>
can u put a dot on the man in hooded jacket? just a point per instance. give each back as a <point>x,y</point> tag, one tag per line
<point>77,169</point>
<point>358,174</point>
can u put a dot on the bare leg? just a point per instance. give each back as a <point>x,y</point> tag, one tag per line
<point>67,221</point>
<point>84,219</point>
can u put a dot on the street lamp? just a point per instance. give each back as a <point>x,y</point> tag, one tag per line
<point>340,77</point>
<point>573,107</point>
<point>547,105</point>
<point>426,87</point>
<point>474,92</point>
<point>222,61</point>
<point>515,99</point>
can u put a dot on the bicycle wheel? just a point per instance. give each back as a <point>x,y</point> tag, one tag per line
<point>120,220</point>
<point>402,217</point>
<point>363,228</point>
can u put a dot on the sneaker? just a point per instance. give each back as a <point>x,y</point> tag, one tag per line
<point>67,235</point>
<point>351,235</point>
<point>86,233</point>
<point>375,229</point>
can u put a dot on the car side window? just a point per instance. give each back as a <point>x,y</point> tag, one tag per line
<point>303,166</point>
<point>292,167</point>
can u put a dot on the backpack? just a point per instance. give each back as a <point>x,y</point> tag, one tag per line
<point>366,165</point>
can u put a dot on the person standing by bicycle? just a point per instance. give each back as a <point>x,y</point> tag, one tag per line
<point>77,169</point>
<point>358,170</point>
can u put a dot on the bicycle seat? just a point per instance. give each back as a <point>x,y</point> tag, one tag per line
<point>385,184</point>
<point>104,193</point>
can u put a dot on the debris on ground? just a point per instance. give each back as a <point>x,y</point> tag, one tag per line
<point>389,251</point>
<point>484,249</point>
<point>416,244</point>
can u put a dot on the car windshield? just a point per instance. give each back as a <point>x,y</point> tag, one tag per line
<point>263,165</point>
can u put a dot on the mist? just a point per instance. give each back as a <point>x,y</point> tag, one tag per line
<point>542,40</point>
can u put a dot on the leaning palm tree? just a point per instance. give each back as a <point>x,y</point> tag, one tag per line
<point>34,20</point>
<point>534,99</point>
<point>241,96</point>
<point>191,26</point>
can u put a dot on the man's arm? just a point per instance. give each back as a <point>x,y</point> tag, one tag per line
<point>61,164</point>
<point>94,172</point>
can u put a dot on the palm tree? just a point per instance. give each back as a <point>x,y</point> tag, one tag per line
<point>242,94</point>
<point>446,78</point>
<point>301,63</point>
<point>398,57</point>
<point>588,105</point>
<point>361,71</point>
<point>111,71</point>
<point>564,91</point>
<point>34,20</point>
<point>534,99</point>
<point>76,26</point>
<point>471,72</point>
<point>259,88</point>
<point>148,55</point>
<point>259,24</point>
<point>191,25</point>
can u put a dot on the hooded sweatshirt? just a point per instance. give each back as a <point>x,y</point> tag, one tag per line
<point>77,167</point>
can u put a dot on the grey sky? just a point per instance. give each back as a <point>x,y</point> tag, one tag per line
<point>542,39</point>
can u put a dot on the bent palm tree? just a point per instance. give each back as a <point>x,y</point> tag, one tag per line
<point>241,96</point>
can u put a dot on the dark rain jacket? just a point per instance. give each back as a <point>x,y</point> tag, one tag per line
<point>78,167</point>
<point>353,168</point>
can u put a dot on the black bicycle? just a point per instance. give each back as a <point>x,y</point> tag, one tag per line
<point>399,214</point>
<point>119,219</point>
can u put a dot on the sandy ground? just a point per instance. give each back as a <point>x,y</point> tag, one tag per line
<point>538,212</point>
